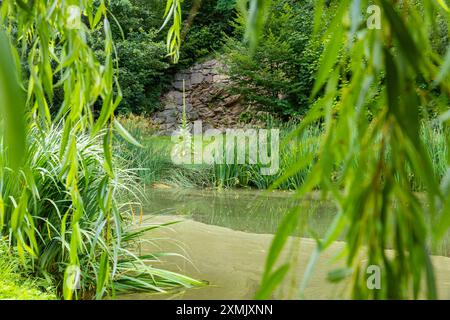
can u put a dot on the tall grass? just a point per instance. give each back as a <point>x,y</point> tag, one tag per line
<point>43,232</point>
<point>153,163</point>
<point>63,197</point>
<point>433,135</point>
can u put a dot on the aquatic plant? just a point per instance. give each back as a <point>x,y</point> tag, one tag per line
<point>153,164</point>
<point>109,243</point>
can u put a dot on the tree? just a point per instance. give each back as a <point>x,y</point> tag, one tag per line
<point>58,190</point>
<point>279,75</point>
<point>372,105</point>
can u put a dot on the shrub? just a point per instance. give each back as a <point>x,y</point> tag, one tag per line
<point>279,75</point>
<point>208,27</point>
<point>143,69</point>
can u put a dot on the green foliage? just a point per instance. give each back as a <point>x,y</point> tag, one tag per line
<point>133,15</point>
<point>225,5</point>
<point>209,24</point>
<point>84,81</point>
<point>12,103</point>
<point>200,42</point>
<point>278,74</point>
<point>108,238</point>
<point>14,282</point>
<point>173,42</point>
<point>142,72</point>
<point>372,106</point>
<point>62,206</point>
<point>141,54</point>
<point>150,162</point>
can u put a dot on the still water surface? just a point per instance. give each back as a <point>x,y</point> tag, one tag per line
<point>225,236</point>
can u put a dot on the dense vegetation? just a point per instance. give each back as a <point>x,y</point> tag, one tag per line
<point>153,162</point>
<point>64,201</point>
<point>15,284</point>
<point>141,53</point>
<point>368,110</point>
<point>279,75</point>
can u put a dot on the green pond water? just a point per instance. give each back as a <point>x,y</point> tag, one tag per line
<point>250,211</point>
<point>225,235</point>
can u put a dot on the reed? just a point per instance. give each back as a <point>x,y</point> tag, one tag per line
<point>153,164</point>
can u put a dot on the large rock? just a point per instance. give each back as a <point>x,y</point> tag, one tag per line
<point>193,115</point>
<point>232,100</point>
<point>178,85</point>
<point>220,78</point>
<point>211,63</point>
<point>174,97</point>
<point>182,76</point>
<point>188,108</point>
<point>207,99</point>
<point>196,78</point>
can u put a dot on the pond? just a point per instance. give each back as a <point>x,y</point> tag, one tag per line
<point>251,211</point>
<point>225,235</point>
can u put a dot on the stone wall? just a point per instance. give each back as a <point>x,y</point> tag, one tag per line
<point>207,99</point>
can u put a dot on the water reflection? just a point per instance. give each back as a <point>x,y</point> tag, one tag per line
<point>226,235</point>
<point>242,210</point>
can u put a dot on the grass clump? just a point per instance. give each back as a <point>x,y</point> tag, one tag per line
<point>108,234</point>
<point>153,162</point>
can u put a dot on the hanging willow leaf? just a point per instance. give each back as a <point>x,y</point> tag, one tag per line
<point>256,16</point>
<point>173,39</point>
<point>443,4</point>
<point>373,108</point>
<point>12,104</point>
<point>125,134</point>
<point>53,37</point>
